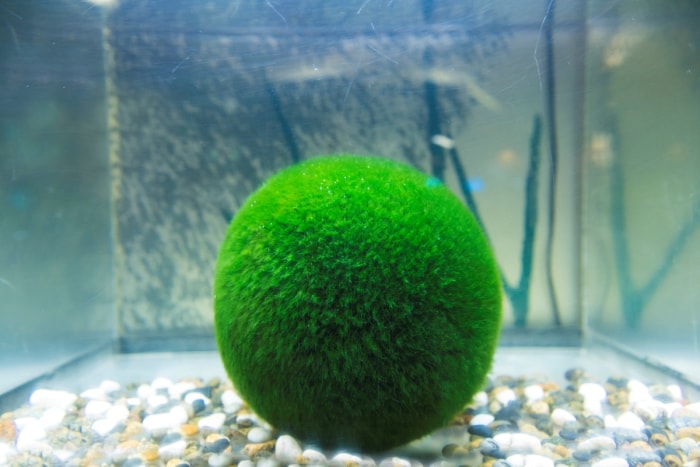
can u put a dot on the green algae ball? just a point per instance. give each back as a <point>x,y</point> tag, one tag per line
<point>357,303</point>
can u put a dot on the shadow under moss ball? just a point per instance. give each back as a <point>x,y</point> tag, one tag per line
<point>357,303</point>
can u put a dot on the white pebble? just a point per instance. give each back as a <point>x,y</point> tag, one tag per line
<point>161,383</point>
<point>52,417</point>
<point>394,462</point>
<point>313,456</point>
<point>93,393</point>
<point>609,421</point>
<point>611,462</point>
<point>560,416</point>
<point>109,386</point>
<point>529,460</point>
<point>31,434</point>
<point>482,419</point>
<point>638,391</point>
<point>534,392</point>
<point>231,401</point>
<point>213,422</point>
<point>593,391</point>
<point>62,454</point>
<point>267,462</point>
<point>51,398</point>
<point>119,413</point>
<point>480,398</point>
<point>597,443</point>
<point>95,408</point>
<point>133,401</point>
<point>521,442</point>
<point>676,392</point>
<point>592,406</point>
<point>22,422</point>
<point>104,426</point>
<point>631,421</point>
<point>157,400</point>
<point>246,463</point>
<point>5,452</point>
<point>221,460</point>
<point>694,407</point>
<point>144,391</point>
<point>345,458</point>
<point>505,396</point>
<point>649,409</point>
<point>172,450</point>
<point>178,389</point>
<point>179,414</point>
<point>287,449</point>
<point>259,435</point>
<point>160,422</point>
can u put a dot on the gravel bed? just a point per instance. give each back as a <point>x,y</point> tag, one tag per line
<point>514,422</point>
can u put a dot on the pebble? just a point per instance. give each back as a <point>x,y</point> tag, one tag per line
<point>518,442</point>
<point>288,450</point>
<point>611,462</point>
<point>259,435</point>
<point>482,419</point>
<point>533,392</point>
<point>216,443</point>
<point>346,458</point>
<point>561,416</point>
<point>212,422</point>
<point>46,398</point>
<point>489,447</point>
<point>529,460</point>
<point>630,421</point>
<point>483,431</point>
<point>311,456</point>
<point>515,422</point>
<point>597,444</point>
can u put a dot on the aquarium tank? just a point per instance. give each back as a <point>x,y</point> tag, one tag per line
<point>351,233</point>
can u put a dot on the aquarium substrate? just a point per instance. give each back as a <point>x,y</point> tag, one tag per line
<point>516,421</point>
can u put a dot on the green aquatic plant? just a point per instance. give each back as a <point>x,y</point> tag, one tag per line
<point>357,302</point>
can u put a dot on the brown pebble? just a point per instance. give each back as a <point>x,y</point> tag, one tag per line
<point>674,460</point>
<point>562,451</point>
<point>689,432</point>
<point>641,445</point>
<point>189,429</point>
<point>149,453</point>
<point>7,430</point>
<point>131,430</point>
<point>652,464</point>
<point>253,449</point>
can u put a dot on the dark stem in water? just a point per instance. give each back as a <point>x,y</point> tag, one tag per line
<point>550,115</point>
<point>634,298</point>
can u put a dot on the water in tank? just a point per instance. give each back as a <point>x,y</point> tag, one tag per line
<point>133,132</point>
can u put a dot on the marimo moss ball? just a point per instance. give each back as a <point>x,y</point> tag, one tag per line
<point>357,303</point>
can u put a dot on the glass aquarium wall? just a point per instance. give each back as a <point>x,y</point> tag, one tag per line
<point>211,99</point>
<point>641,222</point>
<point>56,270</point>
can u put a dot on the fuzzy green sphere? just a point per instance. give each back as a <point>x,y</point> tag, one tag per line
<point>357,303</point>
